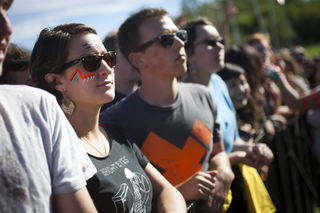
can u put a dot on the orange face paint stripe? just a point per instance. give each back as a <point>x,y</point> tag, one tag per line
<point>80,74</point>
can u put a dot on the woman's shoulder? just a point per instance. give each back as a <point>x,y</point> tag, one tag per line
<point>116,132</point>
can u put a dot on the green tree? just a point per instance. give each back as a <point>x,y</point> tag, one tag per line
<point>295,22</point>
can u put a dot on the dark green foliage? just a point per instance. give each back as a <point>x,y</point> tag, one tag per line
<point>297,22</point>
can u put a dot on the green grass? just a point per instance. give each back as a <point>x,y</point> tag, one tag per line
<point>313,50</point>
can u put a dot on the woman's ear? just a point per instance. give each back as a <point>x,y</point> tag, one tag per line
<point>135,60</point>
<point>49,78</point>
<point>55,79</point>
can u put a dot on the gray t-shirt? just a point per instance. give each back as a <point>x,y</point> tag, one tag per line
<point>177,139</point>
<point>40,154</point>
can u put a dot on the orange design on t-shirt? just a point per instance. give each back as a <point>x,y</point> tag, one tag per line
<point>179,164</point>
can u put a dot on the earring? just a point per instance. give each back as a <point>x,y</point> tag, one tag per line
<point>67,107</point>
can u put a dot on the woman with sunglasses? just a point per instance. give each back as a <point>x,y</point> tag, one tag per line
<point>205,52</point>
<point>71,62</point>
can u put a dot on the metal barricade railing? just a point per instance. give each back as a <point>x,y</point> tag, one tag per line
<point>292,179</point>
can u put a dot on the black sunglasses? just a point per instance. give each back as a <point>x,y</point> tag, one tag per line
<point>92,63</point>
<point>166,39</point>
<point>210,42</point>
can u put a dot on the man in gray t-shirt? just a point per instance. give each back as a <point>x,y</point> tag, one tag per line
<point>174,124</point>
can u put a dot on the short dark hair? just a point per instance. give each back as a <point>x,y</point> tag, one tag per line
<point>129,38</point>
<point>110,41</point>
<point>16,60</point>
<point>231,71</point>
<point>191,28</point>
<point>51,52</point>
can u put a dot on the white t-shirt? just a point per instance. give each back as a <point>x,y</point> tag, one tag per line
<point>40,154</point>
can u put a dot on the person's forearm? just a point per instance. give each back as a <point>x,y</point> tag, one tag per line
<point>290,96</point>
<point>240,145</point>
<point>221,163</point>
<point>236,157</point>
<point>166,197</point>
<point>171,201</point>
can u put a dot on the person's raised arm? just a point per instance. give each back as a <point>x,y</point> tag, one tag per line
<point>74,202</point>
<point>290,96</point>
<point>166,197</point>
<point>224,29</point>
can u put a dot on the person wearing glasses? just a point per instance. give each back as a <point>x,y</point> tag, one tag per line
<point>174,124</point>
<point>71,62</point>
<point>205,52</point>
<point>43,168</point>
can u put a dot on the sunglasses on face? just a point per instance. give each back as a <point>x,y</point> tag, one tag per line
<point>166,39</point>
<point>92,63</point>
<point>210,42</point>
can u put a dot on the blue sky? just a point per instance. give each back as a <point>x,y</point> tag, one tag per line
<point>29,17</point>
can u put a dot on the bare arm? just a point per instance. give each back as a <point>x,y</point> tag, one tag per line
<point>220,162</point>
<point>260,154</point>
<point>167,198</point>
<point>290,96</point>
<point>224,30</point>
<point>74,202</point>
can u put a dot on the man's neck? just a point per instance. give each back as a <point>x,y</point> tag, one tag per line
<point>199,78</point>
<point>159,93</point>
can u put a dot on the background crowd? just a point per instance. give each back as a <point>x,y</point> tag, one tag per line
<point>172,117</point>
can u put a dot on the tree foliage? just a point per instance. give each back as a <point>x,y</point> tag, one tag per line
<point>295,22</point>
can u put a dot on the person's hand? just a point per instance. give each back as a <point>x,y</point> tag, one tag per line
<point>261,154</point>
<point>215,202</point>
<point>279,121</point>
<point>199,186</point>
<point>272,72</point>
<point>231,11</point>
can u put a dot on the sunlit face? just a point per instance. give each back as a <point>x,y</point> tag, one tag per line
<point>5,30</point>
<point>207,58</point>
<point>81,86</point>
<point>239,91</point>
<point>264,51</point>
<point>163,62</point>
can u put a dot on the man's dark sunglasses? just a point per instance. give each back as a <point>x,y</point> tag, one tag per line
<point>210,42</point>
<point>92,63</point>
<point>166,39</point>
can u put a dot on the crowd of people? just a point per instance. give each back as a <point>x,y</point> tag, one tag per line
<point>158,117</point>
